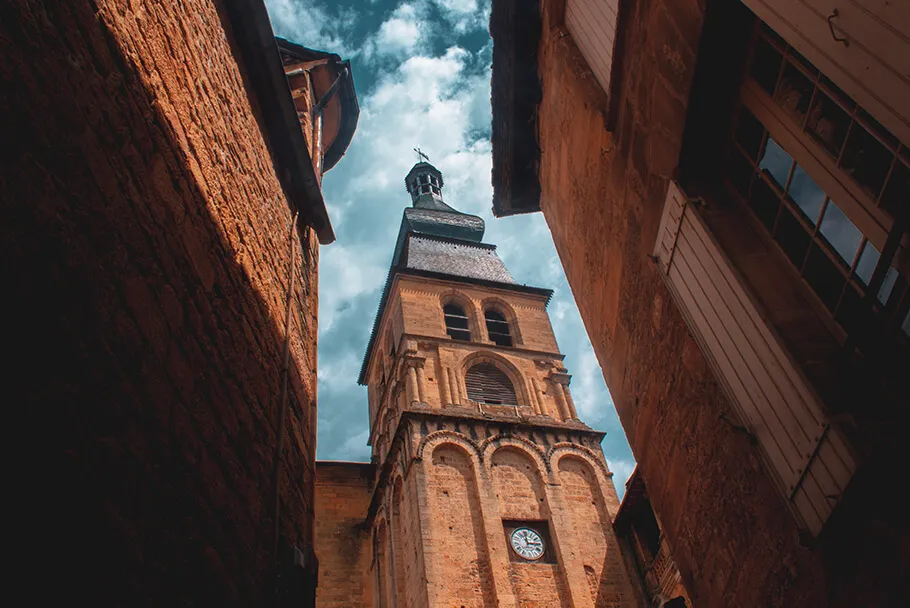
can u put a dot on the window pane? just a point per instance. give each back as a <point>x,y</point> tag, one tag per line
<point>897,192</point>
<point>867,160</point>
<point>841,233</point>
<point>828,122</point>
<point>765,202</point>
<point>794,92</point>
<point>749,133</point>
<point>766,65</point>
<point>824,277</point>
<point>741,172</point>
<point>776,162</point>
<point>906,324</point>
<point>866,266</point>
<point>806,194</point>
<point>792,237</point>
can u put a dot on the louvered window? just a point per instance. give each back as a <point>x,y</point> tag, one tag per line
<point>488,384</point>
<point>498,328</point>
<point>456,322</point>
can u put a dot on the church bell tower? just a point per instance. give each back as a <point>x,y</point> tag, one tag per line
<point>490,491</point>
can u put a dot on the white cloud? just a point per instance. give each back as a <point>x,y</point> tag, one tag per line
<point>400,34</point>
<point>311,25</point>
<point>465,15</point>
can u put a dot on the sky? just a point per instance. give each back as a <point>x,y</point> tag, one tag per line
<point>422,73</point>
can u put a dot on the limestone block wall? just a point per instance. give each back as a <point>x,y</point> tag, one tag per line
<point>146,238</point>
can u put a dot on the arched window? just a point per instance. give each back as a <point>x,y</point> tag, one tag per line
<point>498,328</point>
<point>456,322</point>
<point>486,383</point>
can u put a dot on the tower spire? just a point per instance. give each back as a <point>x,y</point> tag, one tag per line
<point>424,182</point>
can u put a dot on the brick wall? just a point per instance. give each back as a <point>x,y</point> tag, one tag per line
<point>602,194</point>
<point>343,491</point>
<point>146,241</point>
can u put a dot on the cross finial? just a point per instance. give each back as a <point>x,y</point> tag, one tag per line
<point>421,155</point>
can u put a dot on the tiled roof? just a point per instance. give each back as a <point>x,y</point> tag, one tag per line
<point>460,259</point>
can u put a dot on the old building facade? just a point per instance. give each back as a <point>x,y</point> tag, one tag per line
<point>485,489</point>
<point>727,186</point>
<point>162,224</point>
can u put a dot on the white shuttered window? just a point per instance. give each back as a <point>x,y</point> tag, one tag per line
<point>808,458</point>
<point>592,24</point>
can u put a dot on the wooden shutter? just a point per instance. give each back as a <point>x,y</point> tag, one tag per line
<point>873,67</point>
<point>592,24</point>
<point>488,384</point>
<point>808,458</point>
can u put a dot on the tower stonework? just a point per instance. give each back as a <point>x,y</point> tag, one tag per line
<point>487,489</point>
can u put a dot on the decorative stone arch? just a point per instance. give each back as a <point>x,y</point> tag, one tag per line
<point>505,366</point>
<point>493,444</point>
<point>561,450</point>
<point>454,296</point>
<point>437,438</point>
<point>508,311</point>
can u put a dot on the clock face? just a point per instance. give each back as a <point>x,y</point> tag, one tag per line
<point>527,543</point>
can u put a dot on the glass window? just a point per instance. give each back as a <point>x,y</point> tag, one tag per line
<point>806,194</point>
<point>766,65</point>
<point>793,238</point>
<point>794,92</point>
<point>828,123</point>
<point>749,133</point>
<point>866,266</point>
<point>841,233</point>
<point>862,147</point>
<point>906,324</point>
<point>776,163</point>
<point>790,204</point>
<point>866,159</point>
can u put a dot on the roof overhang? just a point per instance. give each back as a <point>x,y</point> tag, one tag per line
<point>268,89</point>
<point>343,109</point>
<point>515,26</point>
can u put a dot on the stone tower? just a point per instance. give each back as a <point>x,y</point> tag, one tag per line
<point>488,489</point>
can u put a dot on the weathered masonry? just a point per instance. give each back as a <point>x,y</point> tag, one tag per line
<point>484,488</point>
<point>163,297</point>
<point>728,187</point>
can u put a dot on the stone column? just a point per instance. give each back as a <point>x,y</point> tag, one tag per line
<point>444,389</point>
<point>532,398</point>
<point>570,402</point>
<point>421,382</point>
<point>453,384</point>
<point>413,391</point>
<point>560,400</point>
<point>540,400</point>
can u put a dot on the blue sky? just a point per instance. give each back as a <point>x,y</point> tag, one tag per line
<point>422,73</point>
